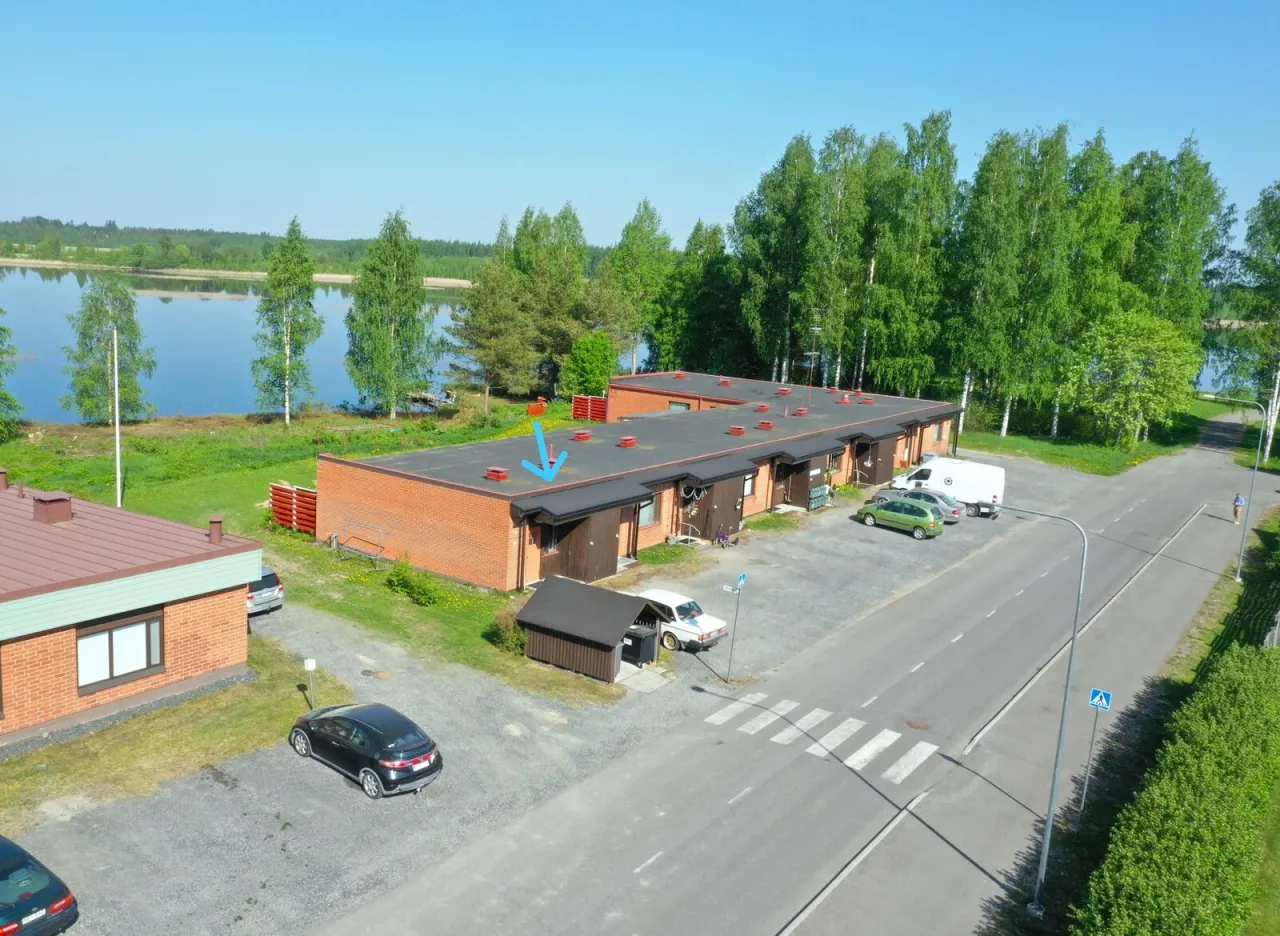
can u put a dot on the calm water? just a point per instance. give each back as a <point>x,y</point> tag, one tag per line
<point>203,345</point>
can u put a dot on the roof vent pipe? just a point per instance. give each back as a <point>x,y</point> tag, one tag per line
<point>51,507</point>
<point>496,474</point>
<point>627,442</point>
<point>215,530</point>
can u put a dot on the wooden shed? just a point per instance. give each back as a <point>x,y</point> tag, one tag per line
<point>584,629</point>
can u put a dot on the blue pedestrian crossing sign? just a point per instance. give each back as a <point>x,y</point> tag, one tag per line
<point>742,579</point>
<point>1100,699</point>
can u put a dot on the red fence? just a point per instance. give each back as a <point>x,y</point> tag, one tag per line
<point>294,507</point>
<point>594,408</point>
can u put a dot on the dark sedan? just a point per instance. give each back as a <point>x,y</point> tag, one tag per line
<point>33,901</point>
<point>371,743</point>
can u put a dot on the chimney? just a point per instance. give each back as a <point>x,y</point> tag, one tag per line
<point>4,479</point>
<point>51,507</point>
<point>215,530</point>
<point>495,473</point>
<point>627,442</point>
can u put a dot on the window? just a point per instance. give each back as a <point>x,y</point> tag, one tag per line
<point>834,459</point>
<point>748,485</point>
<point>118,651</point>
<point>921,475</point>
<point>689,610</point>
<point>359,738</point>
<point>551,536</point>
<point>937,432</point>
<point>678,407</point>
<point>649,512</point>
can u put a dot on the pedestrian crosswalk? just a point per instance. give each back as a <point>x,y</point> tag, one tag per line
<point>859,759</point>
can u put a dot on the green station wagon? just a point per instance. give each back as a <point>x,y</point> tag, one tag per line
<point>920,520</point>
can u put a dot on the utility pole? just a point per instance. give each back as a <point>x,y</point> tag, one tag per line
<point>813,359</point>
<point>115,390</point>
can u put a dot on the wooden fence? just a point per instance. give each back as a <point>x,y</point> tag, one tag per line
<point>294,507</point>
<point>594,408</point>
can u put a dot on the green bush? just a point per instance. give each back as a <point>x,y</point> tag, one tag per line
<point>505,632</point>
<point>1185,853</point>
<point>418,587</point>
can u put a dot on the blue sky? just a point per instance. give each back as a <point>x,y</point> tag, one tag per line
<point>239,115</point>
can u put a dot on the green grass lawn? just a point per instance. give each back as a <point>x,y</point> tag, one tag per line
<point>134,756</point>
<point>1101,459</point>
<point>666,554</point>
<point>772,522</point>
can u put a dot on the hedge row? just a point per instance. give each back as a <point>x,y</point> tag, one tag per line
<point>1184,855</point>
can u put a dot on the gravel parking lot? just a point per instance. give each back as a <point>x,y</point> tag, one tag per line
<point>259,844</point>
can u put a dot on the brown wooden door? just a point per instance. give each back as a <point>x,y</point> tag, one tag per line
<point>573,550</point>
<point>725,513</point>
<point>781,476</point>
<point>798,484</point>
<point>601,544</point>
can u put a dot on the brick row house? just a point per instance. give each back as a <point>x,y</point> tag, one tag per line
<point>102,608</point>
<point>680,455</point>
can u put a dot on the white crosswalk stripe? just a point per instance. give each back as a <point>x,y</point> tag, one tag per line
<point>872,749</point>
<point>791,732</point>
<point>835,737</point>
<point>734,709</point>
<point>765,719</point>
<point>904,765</point>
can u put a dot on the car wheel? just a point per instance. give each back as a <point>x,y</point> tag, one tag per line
<point>671,641</point>
<point>881,500</point>
<point>369,783</point>
<point>869,520</point>
<point>971,510</point>
<point>918,532</point>
<point>300,742</point>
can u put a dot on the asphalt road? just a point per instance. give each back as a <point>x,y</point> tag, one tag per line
<point>734,820</point>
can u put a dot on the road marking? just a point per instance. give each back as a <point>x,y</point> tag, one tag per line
<point>791,732</point>
<point>734,709</point>
<point>1020,591</point>
<point>835,737</point>
<point>732,801</point>
<point>1043,574</point>
<point>650,861</point>
<point>991,612</point>
<point>917,666</point>
<point>956,637</point>
<point>765,719</point>
<point>1143,501</point>
<point>1004,709</point>
<point>869,701</point>
<point>857,859</point>
<point>1116,520</point>
<point>1130,510</point>
<point>904,765</point>
<point>872,749</point>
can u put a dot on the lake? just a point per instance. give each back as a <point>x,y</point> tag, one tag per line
<point>203,335</point>
<point>202,332</point>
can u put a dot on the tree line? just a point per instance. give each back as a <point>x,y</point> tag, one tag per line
<point>1057,291</point>
<point>391,350</point>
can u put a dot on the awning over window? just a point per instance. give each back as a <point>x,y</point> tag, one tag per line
<point>801,450</point>
<point>571,504</point>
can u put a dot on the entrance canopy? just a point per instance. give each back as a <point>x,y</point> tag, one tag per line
<point>718,469</point>
<point>562,506</point>
<point>801,450</point>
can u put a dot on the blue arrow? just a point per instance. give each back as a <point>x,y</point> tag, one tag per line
<point>547,471</point>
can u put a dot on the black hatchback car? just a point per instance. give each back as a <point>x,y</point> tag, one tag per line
<point>371,743</point>
<point>33,901</point>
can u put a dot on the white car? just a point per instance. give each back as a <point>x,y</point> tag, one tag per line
<point>685,625</point>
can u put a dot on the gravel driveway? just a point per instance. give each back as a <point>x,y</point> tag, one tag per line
<point>259,843</point>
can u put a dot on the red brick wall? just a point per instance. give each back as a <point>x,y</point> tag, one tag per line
<point>38,674</point>
<point>628,401</point>
<point>463,535</point>
<point>937,446</point>
<point>656,533</point>
<point>758,502</point>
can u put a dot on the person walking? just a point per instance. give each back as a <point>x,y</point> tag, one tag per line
<point>1236,505</point>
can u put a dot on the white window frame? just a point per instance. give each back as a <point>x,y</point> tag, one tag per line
<point>153,660</point>
<point>650,503</point>
<point>749,486</point>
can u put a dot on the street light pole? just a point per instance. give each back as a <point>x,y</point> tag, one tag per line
<point>1244,533</point>
<point>1036,908</point>
<point>813,360</point>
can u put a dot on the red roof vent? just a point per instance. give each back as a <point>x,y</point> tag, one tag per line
<point>496,474</point>
<point>784,391</point>
<point>857,393</point>
<point>627,442</point>
<point>725,381</point>
<point>802,411</point>
<point>765,424</point>
<point>737,430</point>
<point>762,407</point>
<point>866,400</point>
<point>833,389</point>
<point>679,375</point>
<point>51,507</point>
<point>581,435</point>
<point>845,399</point>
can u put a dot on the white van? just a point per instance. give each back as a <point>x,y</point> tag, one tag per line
<point>979,487</point>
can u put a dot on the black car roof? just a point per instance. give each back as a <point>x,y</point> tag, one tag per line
<point>9,848</point>
<point>380,718</point>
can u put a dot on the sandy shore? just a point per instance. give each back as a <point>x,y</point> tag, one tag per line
<point>338,279</point>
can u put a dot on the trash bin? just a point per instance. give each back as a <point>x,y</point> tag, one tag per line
<point>640,645</point>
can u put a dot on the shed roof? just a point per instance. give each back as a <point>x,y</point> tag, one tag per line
<point>665,450</point>
<point>567,607</point>
<point>97,544</point>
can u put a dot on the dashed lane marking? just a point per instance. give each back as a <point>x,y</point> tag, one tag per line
<point>917,666</point>
<point>647,863</point>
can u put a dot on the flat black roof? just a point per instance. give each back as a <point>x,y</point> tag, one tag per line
<point>709,387</point>
<point>665,450</point>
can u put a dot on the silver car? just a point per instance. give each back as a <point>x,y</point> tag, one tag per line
<point>950,508</point>
<point>266,594</point>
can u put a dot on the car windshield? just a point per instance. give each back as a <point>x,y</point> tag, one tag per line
<point>946,499</point>
<point>688,611</point>
<point>267,581</point>
<point>21,878</point>
<point>407,736</point>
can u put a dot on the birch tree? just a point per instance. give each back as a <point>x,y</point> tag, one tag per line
<point>107,303</point>
<point>884,185</point>
<point>390,348</point>
<point>10,408</point>
<point>287,324</point>
<point>641,263</point>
